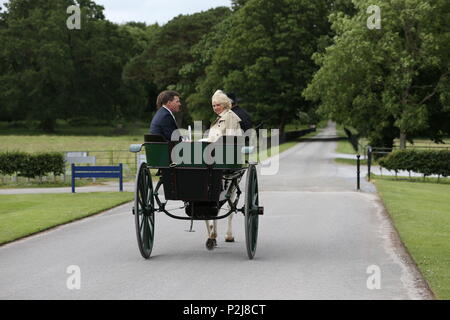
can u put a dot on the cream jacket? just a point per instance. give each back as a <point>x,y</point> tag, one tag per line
<point>226,124</point>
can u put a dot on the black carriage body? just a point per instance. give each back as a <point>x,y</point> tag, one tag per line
<point>195,180</point>
<point>192,184</point>
<point>203,187</point>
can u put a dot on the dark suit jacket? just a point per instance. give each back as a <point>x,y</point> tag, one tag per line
<point>246,121</point>
<point>163,124</point>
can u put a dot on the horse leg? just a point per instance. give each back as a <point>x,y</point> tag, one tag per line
<point>212,234</point>
<point>208,228</point>
<point>229,236</point>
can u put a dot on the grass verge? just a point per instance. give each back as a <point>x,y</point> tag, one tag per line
<point>51,184</point>
<point>351,161</point>
<point>344,146</point>
<point>421,214</point>
<point>26,214</point>
<point>51,143</point>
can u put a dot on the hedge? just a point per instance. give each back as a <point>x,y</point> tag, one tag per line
<point>430,162</point>
<point>31,165</point>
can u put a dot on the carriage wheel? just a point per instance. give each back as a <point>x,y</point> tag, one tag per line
<point>144,211</point>
<point>251,211</point>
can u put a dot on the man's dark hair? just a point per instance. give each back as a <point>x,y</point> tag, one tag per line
<point>165,97</point>
<point>235,99</point>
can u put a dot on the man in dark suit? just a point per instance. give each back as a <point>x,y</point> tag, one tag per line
<point>246,121</point>
<point>164,123</point>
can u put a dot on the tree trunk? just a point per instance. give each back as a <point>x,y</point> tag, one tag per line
<point>402,140</point>
<point>282,134</point>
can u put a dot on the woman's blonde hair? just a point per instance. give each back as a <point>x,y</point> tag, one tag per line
<point>222,99</point>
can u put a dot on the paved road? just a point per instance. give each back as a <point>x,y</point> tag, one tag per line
<point>317,239</point>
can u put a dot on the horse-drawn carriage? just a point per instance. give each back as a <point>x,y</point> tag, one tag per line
<point>205,176</point>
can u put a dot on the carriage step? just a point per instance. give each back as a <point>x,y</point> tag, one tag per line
<point>260,211</point>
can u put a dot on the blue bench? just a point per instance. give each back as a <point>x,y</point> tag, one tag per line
<point>97,172</point>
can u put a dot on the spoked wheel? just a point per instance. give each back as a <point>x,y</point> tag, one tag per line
<point>144,211</point>
<point>251,211</point>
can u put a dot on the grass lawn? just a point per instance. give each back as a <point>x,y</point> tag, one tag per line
<point>25,214</point>
<point>351,161</point>
<point>40,143</point>
<point>51,184</point>
<point>344,146</point>
<point>70,138</point>
<point>421,214</point>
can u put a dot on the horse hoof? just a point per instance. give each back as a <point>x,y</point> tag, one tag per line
<point>210,244</point>
<point>231,239</point>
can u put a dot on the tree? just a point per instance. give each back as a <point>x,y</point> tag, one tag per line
<point>50,72</point>
<point>169,49</point>
<point>266,57</point>
<point>202,87</point>
<point>388,82</point>
<point>35,62</point>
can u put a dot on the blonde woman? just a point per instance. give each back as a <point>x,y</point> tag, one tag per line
<point>227,122</point>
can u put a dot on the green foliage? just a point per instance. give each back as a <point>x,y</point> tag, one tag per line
<point>420,212</point>
<point>31,165</point>
<point>264,55</point>
<point>426,162</point>
<point>49,72</point>
<point>12,162</point>
<point>391,80</point>
<point>167,60</point>
<point>381,82</point>
<point>203,52</point>
<point>261,49</point>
